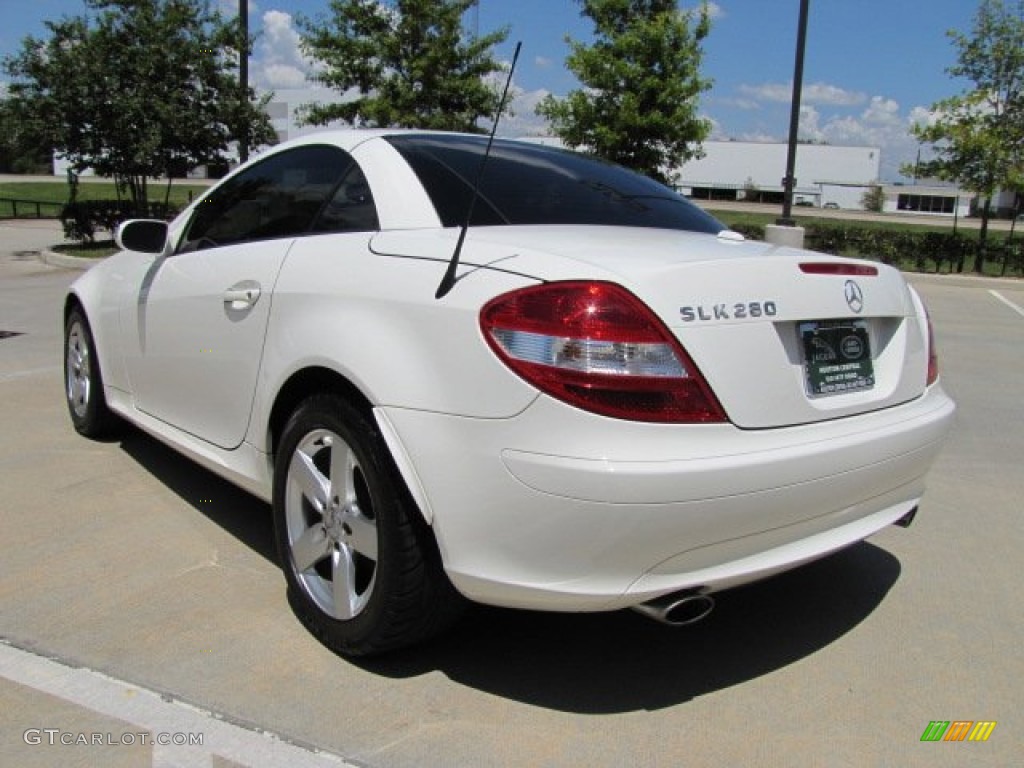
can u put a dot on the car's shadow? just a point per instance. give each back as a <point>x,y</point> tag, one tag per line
<point>244,516</point>
<point>624,662</point>
<point>594,663</point>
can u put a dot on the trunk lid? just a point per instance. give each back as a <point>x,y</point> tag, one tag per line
<point>778,344</point>
<point>782,347</point>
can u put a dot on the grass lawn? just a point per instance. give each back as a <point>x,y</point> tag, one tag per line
<point>53,194</point>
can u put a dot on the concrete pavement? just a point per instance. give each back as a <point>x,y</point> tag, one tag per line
<point>128,562</point>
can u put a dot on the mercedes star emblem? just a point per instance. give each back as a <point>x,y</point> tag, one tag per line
<point>854,296</point>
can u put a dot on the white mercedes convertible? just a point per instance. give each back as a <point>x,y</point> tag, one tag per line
<point>613,401</point>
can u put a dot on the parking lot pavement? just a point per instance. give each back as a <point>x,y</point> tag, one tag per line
<point>126,562</point>
<point>18,235</point>
<point>107,722</point>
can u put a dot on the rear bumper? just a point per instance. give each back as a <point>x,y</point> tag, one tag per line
<point>562,510</point>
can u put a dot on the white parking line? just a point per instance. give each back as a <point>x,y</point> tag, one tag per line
<point>1007,302</point>
<point>160,716</point>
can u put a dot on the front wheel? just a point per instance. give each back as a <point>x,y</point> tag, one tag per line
<point>363,571</point>
<point>83,381</point>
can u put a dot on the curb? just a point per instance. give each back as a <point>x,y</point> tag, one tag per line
<point>64,261</point>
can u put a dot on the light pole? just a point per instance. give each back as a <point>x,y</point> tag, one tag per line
<point>789,182</point>
<point>243,80</point>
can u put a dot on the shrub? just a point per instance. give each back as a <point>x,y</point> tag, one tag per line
<point>873,199</point>
<point>1012,253</point>
<point>828,238</point>
<point>82,219</point>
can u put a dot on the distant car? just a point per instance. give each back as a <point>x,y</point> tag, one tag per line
<point>831,205</point>
<point>618,404</point>
<point>804,203</point>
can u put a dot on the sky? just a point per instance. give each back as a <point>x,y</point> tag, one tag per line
<point>872,67</point>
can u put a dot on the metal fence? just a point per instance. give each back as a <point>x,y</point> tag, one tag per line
<point>11,208</point>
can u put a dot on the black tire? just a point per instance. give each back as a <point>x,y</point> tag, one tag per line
<point>363,571</point>
<point>83,380</point>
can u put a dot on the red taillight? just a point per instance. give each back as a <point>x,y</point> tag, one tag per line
<point>933,356</point>
<point>838,268</point>
<point>596,346</point>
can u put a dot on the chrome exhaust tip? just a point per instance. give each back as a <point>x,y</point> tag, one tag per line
<point>907,519</point>
<point>677,609</point>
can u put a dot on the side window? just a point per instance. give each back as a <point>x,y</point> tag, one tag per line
<point>279,197</point>
<point>351,208</point>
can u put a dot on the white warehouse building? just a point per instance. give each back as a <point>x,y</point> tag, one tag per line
<point>826,176</point>
<point>740,170</point>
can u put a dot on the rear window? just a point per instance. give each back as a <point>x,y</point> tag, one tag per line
<point>534,184</point>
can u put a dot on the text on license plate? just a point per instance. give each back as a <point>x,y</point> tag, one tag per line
<point>837,356</point>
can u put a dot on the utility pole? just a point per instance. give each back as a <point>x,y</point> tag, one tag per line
<point>243,79</point>
<point>789,182</point>
<point>785,231</point>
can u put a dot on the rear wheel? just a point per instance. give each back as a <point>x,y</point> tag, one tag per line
<point>83,381</point>
<point>362,568</point>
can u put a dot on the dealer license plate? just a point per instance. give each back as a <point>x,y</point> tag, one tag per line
<point>837,356</point>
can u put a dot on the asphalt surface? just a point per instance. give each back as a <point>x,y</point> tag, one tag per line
<point>129,575</point>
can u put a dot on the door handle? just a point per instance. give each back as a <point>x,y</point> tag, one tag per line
<point>242,295</point>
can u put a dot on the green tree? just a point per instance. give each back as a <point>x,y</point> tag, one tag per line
<point>20,151</point>
<point>873,198</point>
<point>977,135</point>
<point>642,83</point>
<point>407,64</point>
<point>142,88</point>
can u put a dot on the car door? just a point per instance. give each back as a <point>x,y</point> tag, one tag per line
<point>194,331</point>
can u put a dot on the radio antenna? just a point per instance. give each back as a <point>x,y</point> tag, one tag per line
<point>449,276</point>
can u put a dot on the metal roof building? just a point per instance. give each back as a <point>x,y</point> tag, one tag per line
<point>743,170</point>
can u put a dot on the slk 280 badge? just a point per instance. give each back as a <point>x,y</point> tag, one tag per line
<point>741,311</point>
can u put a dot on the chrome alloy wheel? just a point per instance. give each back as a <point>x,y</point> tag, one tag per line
<point>331,525</point>
<point>78,370</point>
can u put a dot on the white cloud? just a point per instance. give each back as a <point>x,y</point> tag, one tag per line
<point>922,116</point>
<point>716,133</point>
<point>523,120</point>
<point>278,76</point>
<point>543,62</point>
<point>881,123</point>
<point>779,92</point>
<point>278,61</point>
<point>812,93</point>
<point>882,111</point>
<point>822,93</point>
<point>715,11</point>
<point>744,104</point>
<point>527,101</point>
<point>810,124</point>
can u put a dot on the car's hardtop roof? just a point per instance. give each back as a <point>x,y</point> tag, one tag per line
<point>350,138</point>
<point>564,187</point>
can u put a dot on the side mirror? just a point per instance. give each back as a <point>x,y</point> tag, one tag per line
<point>142,235</point>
